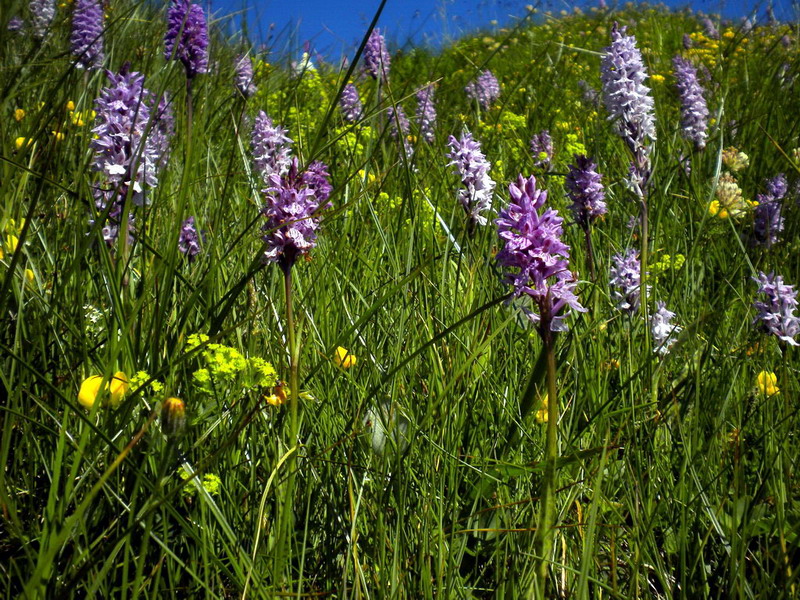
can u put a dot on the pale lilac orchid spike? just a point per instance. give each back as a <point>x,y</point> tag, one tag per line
<point>534,258</point>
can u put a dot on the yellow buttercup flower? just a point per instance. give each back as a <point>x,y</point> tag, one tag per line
<point>116,389</point>
<point>767,383</point>
<point>29,276</point>
<point>19,114</point>
<point>70,105</point>
<point>343,358</point>
<point>658,78</point>
<point>21,141</point>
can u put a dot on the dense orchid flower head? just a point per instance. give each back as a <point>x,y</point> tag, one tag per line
<point>350,104</point>
<point>542,149</point>
<point>399,125</point>
<point>243,79</point>
<point>710,29</point>
<point>15,24</point>
<point>485,89</point>
<point>585,189</point>
<point>629,103</point>
<point>476,195</point>
<point>777,187</point>
<point>128,143</point>
<point>625,281</point>
<point>768,222</point>
<point>186,39</point>
<point>42,13</point>
<point>534,258</point>
<point>426,113</point>
<point>776,312</point>
<point>376,56</point>
<point>164,130</point>
<point>189,239</point>
<point>86,39</point>
<point>694,110</point>
<point>271,148</point>
<point>317,179</point>
<point>292,213</point>
<point>664,332</point>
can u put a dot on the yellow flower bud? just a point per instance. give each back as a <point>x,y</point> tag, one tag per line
<point>173,416</point>
<point>70,105</point>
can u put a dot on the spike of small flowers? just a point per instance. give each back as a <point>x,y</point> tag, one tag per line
<point>662,329</point>
<point>189,239</point>
<point>694,111</point>
<point>292,212</point>
<point>777,187</point>
<point>585,189</point>
<point>629,103</point>
<point>776,312</point>
<point>243,79</point>
<point>534,257</point>
<point>350,104</point>
<point>476,195</point>
<point>42,13</point>
<point>87,34</point>
<point>127,147</point>
<point>399,125</point>
<point>625,281</point>
<point>270,147</point>
<point>542,149</point>
<point>426,113</point>
<point>711,30</point>
<point>186,39</point>
<point>376,57</point>
<point>485,89</point>
<point>15,24</point>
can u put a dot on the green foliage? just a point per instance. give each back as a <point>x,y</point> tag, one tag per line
<point>419,470</point>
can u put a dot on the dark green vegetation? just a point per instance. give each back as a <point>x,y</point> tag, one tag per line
<point>419,472</point>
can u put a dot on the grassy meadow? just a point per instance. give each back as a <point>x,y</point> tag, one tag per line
<point>405,455</point>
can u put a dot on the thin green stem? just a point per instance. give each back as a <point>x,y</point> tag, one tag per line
<point>286,502</point>
<point>545,529</point>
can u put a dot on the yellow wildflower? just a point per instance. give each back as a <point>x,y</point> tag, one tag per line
<point>21,141</point>
<point>11,243</point>
<point>29,276</point>
<point>90,389</point>
<point>70,105</point>
<point>657,78</point>
<point>58,136</point>
<point>767,383</point>
<point>542,414</point>
<point>343,358</point>
<point>19,114</point>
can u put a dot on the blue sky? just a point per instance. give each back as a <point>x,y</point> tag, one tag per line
<point>334,27</point>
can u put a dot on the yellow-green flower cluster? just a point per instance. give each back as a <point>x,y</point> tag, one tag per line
<point>352,141</point>
<point>140,378</point>
<point>226,365</point>
<point>426,215</point>
<point>211,483</point>
<point>666,263</point>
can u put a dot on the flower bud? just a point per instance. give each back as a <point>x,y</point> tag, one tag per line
<point>173,416</point>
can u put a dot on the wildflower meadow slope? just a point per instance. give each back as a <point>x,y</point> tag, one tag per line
<point>515,317</point>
